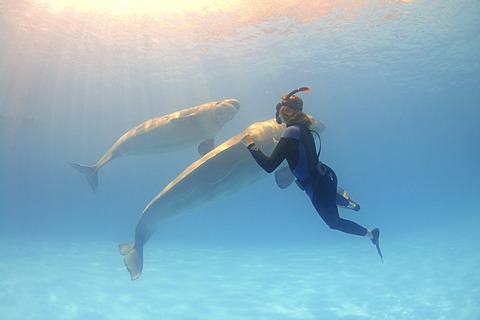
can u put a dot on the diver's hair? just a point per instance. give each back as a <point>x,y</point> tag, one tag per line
<point>293,101</point>
<point>295,116</point>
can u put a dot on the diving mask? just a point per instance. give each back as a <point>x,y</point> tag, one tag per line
<point>292,101</point>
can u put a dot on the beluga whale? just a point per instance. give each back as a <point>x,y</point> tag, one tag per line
<point>220,173</point>
<point>193,126</point>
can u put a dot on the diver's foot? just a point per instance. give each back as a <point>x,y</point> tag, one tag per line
<point>344,200</point>
<point>353,205</point>
<point>375,240</point>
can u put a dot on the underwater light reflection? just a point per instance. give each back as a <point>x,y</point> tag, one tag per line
<point>127,8</point>
<point>244,11</point>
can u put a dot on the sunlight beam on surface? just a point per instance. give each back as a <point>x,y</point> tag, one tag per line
<point>139,7</point>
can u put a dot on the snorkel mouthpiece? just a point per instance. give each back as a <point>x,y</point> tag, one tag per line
<point>295,103</point>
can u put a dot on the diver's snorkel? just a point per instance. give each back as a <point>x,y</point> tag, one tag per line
<point>287,102</point>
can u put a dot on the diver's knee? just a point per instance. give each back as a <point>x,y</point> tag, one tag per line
<point>332,223</point>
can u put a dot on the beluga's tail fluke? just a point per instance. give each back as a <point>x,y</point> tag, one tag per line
<point>90,172</point>
<point>133,259</point>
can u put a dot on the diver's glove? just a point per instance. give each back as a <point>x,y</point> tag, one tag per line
<point>247,140</point>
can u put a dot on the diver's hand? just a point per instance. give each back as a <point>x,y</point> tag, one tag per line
<point>247,140</point>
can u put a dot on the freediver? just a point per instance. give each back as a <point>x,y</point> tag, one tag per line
<point>318,180</point>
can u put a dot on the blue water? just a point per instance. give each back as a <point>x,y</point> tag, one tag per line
<point>396,82</point>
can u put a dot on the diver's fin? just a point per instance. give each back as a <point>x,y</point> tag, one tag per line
<point>344,200</point>
<point>206,146</point>
<point>90,172</point>
<point>376,241</point>
<point>133,259</point>
<point>284,177</point>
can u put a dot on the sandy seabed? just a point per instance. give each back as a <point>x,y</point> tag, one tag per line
<point>89,281</point>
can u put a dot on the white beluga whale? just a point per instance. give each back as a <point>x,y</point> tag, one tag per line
<point>222,172</point>
<point>193,126</point>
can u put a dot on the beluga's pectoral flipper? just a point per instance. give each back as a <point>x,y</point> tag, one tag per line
<point>284,177</point>
<point>206,146</point>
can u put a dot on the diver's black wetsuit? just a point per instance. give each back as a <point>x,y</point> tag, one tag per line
<point>297,145</point>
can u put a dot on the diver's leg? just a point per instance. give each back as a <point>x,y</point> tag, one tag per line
<point>341,199</point>
<point>329,214</point>
<point>325,202</point>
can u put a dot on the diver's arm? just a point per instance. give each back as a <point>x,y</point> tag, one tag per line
<point>269,164</point>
